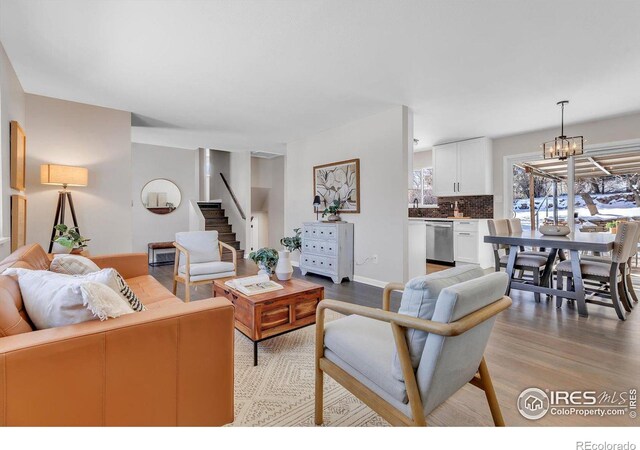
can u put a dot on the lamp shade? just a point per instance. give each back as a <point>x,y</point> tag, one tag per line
<point>316,201</point>
<point>63,175</point>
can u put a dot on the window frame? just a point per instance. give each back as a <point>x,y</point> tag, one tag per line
<point>421,204</point>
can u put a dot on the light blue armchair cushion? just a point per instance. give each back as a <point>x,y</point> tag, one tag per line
<point>363,347</point>
<point>419,300</point>
<point>448,363</point>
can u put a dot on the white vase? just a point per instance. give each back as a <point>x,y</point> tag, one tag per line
<point>284,269</point>
<point>60,249</point>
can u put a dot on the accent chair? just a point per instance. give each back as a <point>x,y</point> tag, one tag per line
<point>404,365</point>
<point>199,260</point>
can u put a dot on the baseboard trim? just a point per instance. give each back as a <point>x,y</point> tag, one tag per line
<point>356,278</point>
<point>369,281</point>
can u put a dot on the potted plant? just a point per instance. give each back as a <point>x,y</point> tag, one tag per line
<point>266,259</point>
<point>612,226</point>
<point>284,269</point>
<point>332,211</point>
<point>69,240</point>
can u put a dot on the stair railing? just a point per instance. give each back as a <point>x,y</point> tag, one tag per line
<point>233,197</point>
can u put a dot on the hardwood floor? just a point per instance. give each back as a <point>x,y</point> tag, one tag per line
<point>532,345</point>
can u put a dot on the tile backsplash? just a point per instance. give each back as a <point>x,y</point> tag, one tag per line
<point>473,206</point>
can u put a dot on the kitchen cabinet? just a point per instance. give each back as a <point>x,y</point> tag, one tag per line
<point>417,249</point>
<point>468,243</point>
<point>463,168</point>
<point>465,247</point>
<point>446,166</point>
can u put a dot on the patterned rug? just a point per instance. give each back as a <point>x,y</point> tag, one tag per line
<point>280,390</point>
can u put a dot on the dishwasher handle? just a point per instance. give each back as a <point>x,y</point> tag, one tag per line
<point>439,225</point>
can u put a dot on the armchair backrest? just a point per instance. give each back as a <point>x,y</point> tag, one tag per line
<point>448,363</point>
<point>201,245</point>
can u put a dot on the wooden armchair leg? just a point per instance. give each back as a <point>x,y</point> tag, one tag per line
<point>490,393</point>
<point>187,292</point>
<point>319,353</point>
<point>319,396</point>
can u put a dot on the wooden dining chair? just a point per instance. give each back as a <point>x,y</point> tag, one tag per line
<point>609,278</point>
<point>525,263</point>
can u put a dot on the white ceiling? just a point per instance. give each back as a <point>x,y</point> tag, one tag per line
<point>257,74</point>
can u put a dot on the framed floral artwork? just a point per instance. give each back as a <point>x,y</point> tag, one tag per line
<point>338,181</point>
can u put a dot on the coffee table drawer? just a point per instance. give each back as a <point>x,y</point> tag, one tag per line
<point>274,317</point>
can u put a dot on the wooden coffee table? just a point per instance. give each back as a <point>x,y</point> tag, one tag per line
<point>264,316</point>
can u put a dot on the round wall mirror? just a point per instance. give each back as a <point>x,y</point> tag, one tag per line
<point>160,196</point>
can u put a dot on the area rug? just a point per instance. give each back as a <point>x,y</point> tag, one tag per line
<point>280,390</point>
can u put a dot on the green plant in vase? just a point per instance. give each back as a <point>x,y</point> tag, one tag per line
<point>293,243</point>
<point>332,211</point>
<point>266,259</point>
<point>69,239</point>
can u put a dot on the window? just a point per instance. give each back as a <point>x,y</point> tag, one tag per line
<point>422,188</point>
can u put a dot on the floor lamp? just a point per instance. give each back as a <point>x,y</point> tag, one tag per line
<point>53,174</point>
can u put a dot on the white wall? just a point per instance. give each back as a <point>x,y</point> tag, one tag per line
<point>382,142</point>
<point>267,182</point>
<point>239,177</point>
<point>177,165</point>
<point>595,132</point>
<point>422,159</point>
<point>69,133</point>
<point>12,107</point>
<point>236,167</point>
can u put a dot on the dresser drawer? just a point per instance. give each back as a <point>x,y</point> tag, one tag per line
<point>319,263</point>
<point>329,248</point>
<point>326,232</point>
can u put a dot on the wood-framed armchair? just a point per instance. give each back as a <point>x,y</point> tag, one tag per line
<point>357,351</point>
<point>199,260</point>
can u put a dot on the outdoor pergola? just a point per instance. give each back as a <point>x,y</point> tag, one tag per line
<point>584,166</point>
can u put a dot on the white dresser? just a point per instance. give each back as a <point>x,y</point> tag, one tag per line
<point>327,249</point>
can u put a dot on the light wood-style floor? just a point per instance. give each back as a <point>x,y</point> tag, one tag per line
<point>532,345</point>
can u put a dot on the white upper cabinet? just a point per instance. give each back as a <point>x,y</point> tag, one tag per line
<point>463,168</point>
<point>445,169</point>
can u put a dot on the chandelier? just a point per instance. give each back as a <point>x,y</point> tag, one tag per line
<point>562,146</point>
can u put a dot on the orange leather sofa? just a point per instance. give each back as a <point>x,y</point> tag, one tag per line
<point>169,365</point>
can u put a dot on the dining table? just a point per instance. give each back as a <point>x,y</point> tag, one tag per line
<point>575,242</point>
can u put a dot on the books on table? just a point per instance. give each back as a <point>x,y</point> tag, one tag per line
<point>258,284</point>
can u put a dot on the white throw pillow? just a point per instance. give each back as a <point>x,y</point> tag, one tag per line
<point>73,265</point>
<point>114,280</point>
<point>54,300</point>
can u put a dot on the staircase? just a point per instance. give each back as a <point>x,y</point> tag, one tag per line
<point>215,219</point>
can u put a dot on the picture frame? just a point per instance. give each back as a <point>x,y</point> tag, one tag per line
<point>18,221</point>
<point>338,181</point>
<point>18,156</point>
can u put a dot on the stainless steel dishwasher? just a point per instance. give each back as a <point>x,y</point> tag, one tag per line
<point>440,241</point>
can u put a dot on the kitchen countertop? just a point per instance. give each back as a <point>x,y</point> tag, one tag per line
<point>422,219</point>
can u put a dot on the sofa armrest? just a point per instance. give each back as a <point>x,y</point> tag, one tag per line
<point>168,366</point>
<point>128,265</point>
